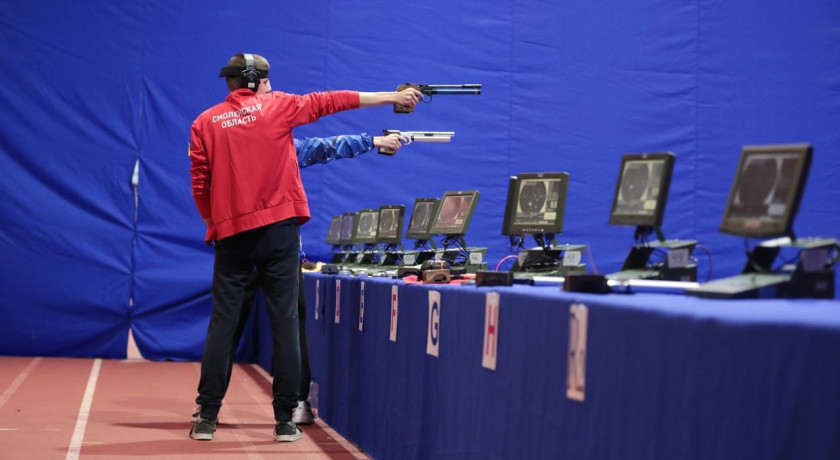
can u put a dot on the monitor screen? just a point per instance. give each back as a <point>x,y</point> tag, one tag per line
<point>536,203</point>
<point>334,233</point>
<point>421,218</point>
<point>641,191</point>
<point>391,218</point>
<point>767,189</point>
<point>367,226</point>
<point>348,228</point>
<point>454,213</point>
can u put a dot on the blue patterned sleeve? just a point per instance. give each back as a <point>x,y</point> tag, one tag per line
<point>321,150</point>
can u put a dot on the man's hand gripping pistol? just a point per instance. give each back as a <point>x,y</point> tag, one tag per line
<point>416,136</point>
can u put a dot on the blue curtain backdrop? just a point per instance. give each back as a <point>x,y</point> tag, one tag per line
<point>89,88</point>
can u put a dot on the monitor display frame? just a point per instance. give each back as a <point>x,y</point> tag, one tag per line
<point>430,207</point>
<point>516,185</point>
<point>335,223</point>
<point>344,239</point>
<point>506,220</point>
<point>779,215</point>
<point>652,219</point>
<point>398,211</point>
<point>367,217</point>
<point>440,228</point>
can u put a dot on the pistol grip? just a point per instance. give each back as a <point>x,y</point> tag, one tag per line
<point>404,108</point>
<point>387,151</point>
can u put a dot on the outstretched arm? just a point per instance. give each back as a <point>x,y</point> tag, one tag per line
<point>408,97</point>
<point>299,110</point>
<point>315,150</point>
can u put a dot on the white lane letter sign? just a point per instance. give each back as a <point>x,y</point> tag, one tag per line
<point>394,313</point>
<point>362,307</point>
<point>576,370</point>
<point>677,258</point>
<point>491,330</point>
<point>337,301</point>
<point>433,334</point>
<point>317,298</point>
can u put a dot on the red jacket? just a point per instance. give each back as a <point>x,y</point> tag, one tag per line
<point>244,167</point>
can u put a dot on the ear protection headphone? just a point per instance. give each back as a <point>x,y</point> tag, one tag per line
<point>250,74</point>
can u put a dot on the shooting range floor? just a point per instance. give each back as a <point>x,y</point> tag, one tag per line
<point>115,409</point>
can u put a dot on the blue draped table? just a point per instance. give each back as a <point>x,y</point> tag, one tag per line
<point>667,376</point>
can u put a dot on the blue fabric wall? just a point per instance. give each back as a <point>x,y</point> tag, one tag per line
<point>87,89</point>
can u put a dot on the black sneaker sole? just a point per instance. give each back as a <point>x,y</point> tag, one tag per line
<point>288,437</point>
<point>202,436</point>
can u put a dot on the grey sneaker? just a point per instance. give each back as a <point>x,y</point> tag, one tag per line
<point>302,414</point>
<point>203,430</point>
<point>196,415</point>
<point>287,432</point>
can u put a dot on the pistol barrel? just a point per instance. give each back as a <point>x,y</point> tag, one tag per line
<point>468,89</point>
<point>428,136</point>
<point>417,136</point>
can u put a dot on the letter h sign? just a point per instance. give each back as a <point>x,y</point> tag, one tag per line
<point>491,331</point>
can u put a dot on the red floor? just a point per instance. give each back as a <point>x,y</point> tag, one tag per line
<point>140,409</point>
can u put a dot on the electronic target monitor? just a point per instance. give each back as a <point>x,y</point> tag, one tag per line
<point>367,226</point>
<point>767,190</point>
<point>422,213</point>
<point>348,228</point>
<point>454,213</point>
<point>334,232</point>
<point>641,191</point>
<point>391,218</point>
<point>536,203</point>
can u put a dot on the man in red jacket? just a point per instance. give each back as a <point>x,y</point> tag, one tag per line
<point>247,187</point>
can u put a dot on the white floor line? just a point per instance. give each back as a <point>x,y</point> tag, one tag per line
<point>4,398</point>
<point>347,445</point>
<point>258,394</point>
<point>249,446</point>
<point>230,418</point>
<point>262,372</point>
<point>253,389</point>
<point>84,412</point>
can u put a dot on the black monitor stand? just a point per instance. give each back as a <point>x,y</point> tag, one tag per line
<point>391,255</point>
<point>458,254</point>
<point>370,255</point>
<point>423,250</point>
<point>676,263</point>
<point>549,258</point>
<point>338,254</point>
<point>349,254</point>
<point>809,274</point>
